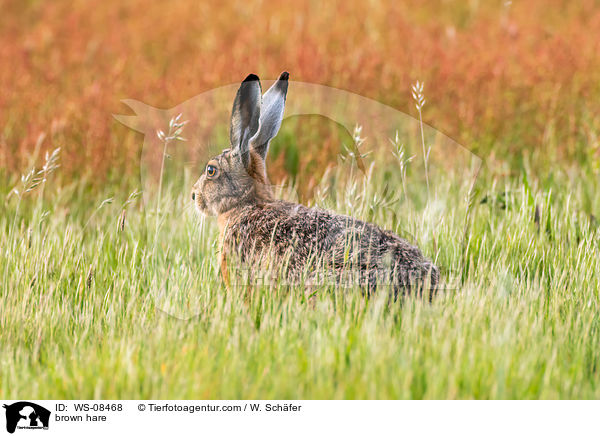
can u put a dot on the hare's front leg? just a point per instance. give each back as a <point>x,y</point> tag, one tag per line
<point>223,267</point>
<point>225,275</point>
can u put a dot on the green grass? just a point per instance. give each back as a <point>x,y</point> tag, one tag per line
<point>80,315</point>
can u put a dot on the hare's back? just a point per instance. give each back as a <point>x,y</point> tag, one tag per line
<point>308,232</point>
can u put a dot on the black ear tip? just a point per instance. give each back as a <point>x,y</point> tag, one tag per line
<point>284,76</point>
<point>251,78</point>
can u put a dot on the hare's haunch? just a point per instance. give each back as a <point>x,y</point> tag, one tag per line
<point>299,242</point>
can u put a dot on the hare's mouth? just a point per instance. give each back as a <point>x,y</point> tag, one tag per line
<point>200,203</point>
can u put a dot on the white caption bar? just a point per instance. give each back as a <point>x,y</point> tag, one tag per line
<point>22,417</point>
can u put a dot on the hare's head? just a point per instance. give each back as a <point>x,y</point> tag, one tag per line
<point>237,176</point>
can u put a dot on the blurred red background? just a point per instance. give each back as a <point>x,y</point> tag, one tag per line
<point>501,78</point>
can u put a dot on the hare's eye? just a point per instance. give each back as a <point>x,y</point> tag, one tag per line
<point>211,171</point>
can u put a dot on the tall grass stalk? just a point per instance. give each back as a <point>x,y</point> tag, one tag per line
<point>403,161</point>
<point>33,180</point>
<point>173,134</point>
<point>417,93</point>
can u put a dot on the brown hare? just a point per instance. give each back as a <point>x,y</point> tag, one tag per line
<point>261,232</point>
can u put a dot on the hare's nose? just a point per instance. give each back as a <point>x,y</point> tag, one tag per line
<point>193,196</point>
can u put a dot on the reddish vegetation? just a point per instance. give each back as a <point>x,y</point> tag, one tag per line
<point>515,77</point>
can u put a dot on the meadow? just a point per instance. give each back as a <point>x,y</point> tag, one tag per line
<point>83,250</point>
<point>80,317</point>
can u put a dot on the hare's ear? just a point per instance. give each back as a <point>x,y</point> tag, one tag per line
<point>271,114</point>
<point>244,117</point>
